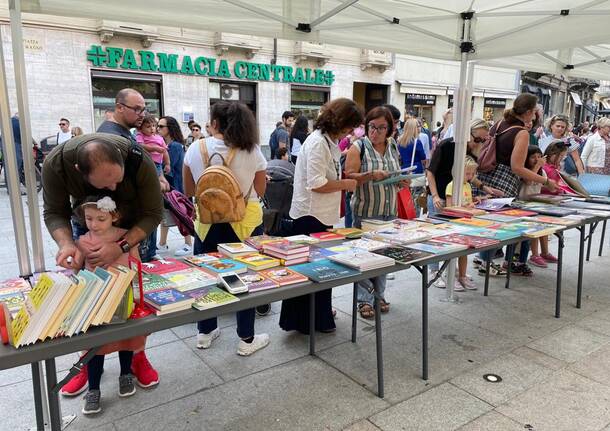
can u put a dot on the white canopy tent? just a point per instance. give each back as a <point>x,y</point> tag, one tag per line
<point>551,36</point>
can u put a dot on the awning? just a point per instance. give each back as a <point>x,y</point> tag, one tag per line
<point>576,98</point>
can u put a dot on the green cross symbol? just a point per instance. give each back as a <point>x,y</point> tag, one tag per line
<point>97,55</point>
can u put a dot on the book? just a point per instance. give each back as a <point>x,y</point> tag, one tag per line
<point>468,240</point>
<point>302,239</point>
<point>498,218</point>
<point>463,211</point>
<point>168,300</point>
<point>438,247</point>
<point>318,253</point>
<point>548,199</point>
<point>399,236</point>
<point>518,212</point>
<point>585,205</point>
<point>222,266</point>
<point>495,204</point>
<point>404,255</point>
<point>163,265</point>
<point>152,283</point>
<point>284,276</point>
<point>366,244</point>
<point>201,259</point>
<point>259,261</point>
<point>13,293</point>
<point>554,211</point>
<point>362,260</point>
<point>258,241</point>
<point>498,233</point>
<point>257,281</point>
<point>285,248</point>
<point>235,249</point>
<point>348,232</point>
<point>474,222</point>
<point>189,279</point>
<point>326,236</point>
<point>563,221</point>
<point>324,270</point>
<point>537,230</point>
<point>372,224</point>
<point>213,296</point>
<point>394,179</point>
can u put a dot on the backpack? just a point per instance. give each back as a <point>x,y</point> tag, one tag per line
<point>487,157</point>
<point>218,196</point>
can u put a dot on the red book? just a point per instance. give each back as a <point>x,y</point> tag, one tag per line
<point>285,248</point>
<point>468,240</point>
<point>326,236</point>
<point>164,266</point>
<point>518,213</point>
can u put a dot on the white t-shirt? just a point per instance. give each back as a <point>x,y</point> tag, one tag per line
<point>318,162</point>
<point>244,164</point>
<point>63,137</point>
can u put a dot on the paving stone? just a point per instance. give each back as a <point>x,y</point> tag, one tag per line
<point>565,401</point>
<point>492,421</point>
<point>595,324</point>
<point>595,366</point>
<point>539,358</point>
<point>570,344</point>
<point>17,406</point>
<point>294,396</point>
<point>442,408</point>
<point>363,425</point>
<point>518,374</point>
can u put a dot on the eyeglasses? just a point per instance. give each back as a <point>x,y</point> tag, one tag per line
<point>136,110</point>
<point>194,129</point>
<point>380,129</point>
<point>63,124</point>
<point>160,126</point>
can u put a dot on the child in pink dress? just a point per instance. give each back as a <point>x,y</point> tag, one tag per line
<point>100,215</point>
<point>153,144</point>
<point>555,153</point>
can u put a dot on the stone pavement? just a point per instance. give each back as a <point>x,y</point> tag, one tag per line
<point>555,372</point>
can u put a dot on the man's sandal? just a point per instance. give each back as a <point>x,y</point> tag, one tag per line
<point>384,306</point>
<point>366,311</point>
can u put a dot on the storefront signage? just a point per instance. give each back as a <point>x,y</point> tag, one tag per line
<point>148,61</point>
<point>492,102</point>
<point>420,99</point>
<point>450,101</point>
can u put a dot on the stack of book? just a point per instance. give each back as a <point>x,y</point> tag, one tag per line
<point>168,301</point>
<point>257,261</point>
<point>405,255</point>
<point>258,241</point>
<point>324,270</point>
<point>61,305</point>
<point>13,293</point>
<point>288,252</point>
<point>348,232</point>
<point>326,236</point>
<point>283,276</point>
<point>400,236</point>
<point>362,260</point>
<point>372,224</point>
<point>256,281</point>
<point>462,211</point>
<point>235,249</point>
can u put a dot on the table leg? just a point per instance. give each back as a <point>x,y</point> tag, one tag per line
<point>424,321</point>
<point>355,313</point>
<point>581,264</point>
<point>601,242</point>
<point>377,305</point>
<point>559,269</point>
<point>510,251</point>
<point>36,383</point>
<point>591,230</point>
<point>54,411</point>
<point>312,324</point>
<point>487,268</point>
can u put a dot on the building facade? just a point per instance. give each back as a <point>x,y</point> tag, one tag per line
<point>75,67</point>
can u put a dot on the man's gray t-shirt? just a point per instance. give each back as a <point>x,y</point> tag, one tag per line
<point>116,129</point>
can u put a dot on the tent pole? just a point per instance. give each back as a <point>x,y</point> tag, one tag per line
<point>26,134</point>
<point>11,174</point>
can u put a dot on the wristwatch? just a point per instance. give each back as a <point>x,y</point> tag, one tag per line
<point>125,247</point>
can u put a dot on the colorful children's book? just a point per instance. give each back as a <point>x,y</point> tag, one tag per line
<point>168,300</point>
<point>517,212</point>
<point>257,281</point>
<point>153,283</point>
<point>235,249</point>
<point>213,296</point>
<point>366,244</point>
<point>201,259</point>
<point>404,255</point>
<point>162,266</point>
<point>285,248</point>
<point>326,236</point>
<point>498,218</point>
<point>284,276</point>
<point>474,222</point>
<point>463,211</point>
<point>324,270</point>
<point>468,240</point>
<point>495,204</point>
<point>318,253</point>
<point>499,234</point>
<point>258,261</point>
<point>302,239</point>
<point>259,241</point>
<point>438,247</point>
<point>190,278</point>
<point>362,260</point>
<point>563,221</point>
<point>348,232</point>
<point>221,266</point>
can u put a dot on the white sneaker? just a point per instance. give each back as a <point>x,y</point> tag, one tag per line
<point>467,283</point>
<point>246,349</point>
<point>184,251</point>
<point>457,286</point>
<point>162,248</point>
<point>440,282</point>
<point>390,276</point>
<point>204,341</point>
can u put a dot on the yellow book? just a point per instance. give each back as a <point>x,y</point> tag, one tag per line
<point>122,285</point>
<point>25,320</point>
<point>65,308</point>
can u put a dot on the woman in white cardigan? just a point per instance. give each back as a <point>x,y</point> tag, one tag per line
<point>596,153</point>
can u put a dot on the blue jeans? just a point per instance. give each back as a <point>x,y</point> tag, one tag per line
<point>366,287</point>
<point>349,220</point>
<point>219,233</point>
<point>524,250</point>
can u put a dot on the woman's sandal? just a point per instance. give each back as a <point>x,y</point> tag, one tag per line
<point>384,306</point>
<point>366,311</point>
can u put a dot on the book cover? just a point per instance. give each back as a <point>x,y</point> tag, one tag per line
<point>213,296</point>
<point>258,261</point>
<point>362,260</point>
<point>221,266</point>
<point>348,232</point>
<point>553,220</point>
<point>326,236</point>
<point>366,244</point>
<point>200,259</point>
<point>494,204</point>
<point>162,266</point>
<point>517,212</point>
<point>548,199</point>
<point>257,281</point>
<point>286,248</point>
<point>302,239</point>
<point>190,278</point>
<point>324,270</point>
<point>318,253</point>
<point>474,222</point>
<point>468,240</point>
<point>498,218</point>
<point>438,247</point>
<point>258,241</point>
<point>554,211</point>
<point>465,211</point>
<point>233,249</point>
<point>405,255</point>
<point>500,234</point>
<point>284,276</point>
<point>169,298</point>
<point>153,283</point>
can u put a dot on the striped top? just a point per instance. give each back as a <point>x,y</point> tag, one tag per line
<point>370,199</point>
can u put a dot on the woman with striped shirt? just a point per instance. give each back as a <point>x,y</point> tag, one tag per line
<point>371,159</point>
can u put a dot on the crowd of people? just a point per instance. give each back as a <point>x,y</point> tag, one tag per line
<point>103,193</point>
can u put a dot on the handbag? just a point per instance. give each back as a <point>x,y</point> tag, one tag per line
<point>487,157</point>
<point>406,207</point>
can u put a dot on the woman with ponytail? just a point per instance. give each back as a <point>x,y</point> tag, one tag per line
<point>233,131</point>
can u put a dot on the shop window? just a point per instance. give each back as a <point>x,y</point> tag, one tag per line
<point>105,86</point>
<point>233,91</point>
<point>308,101</point>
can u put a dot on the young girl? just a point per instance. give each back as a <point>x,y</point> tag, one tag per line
<point>555,153</point>
<point>470,170</point>
<point>153,144</point>
<point>100,215</point>
<point>535,161</point>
